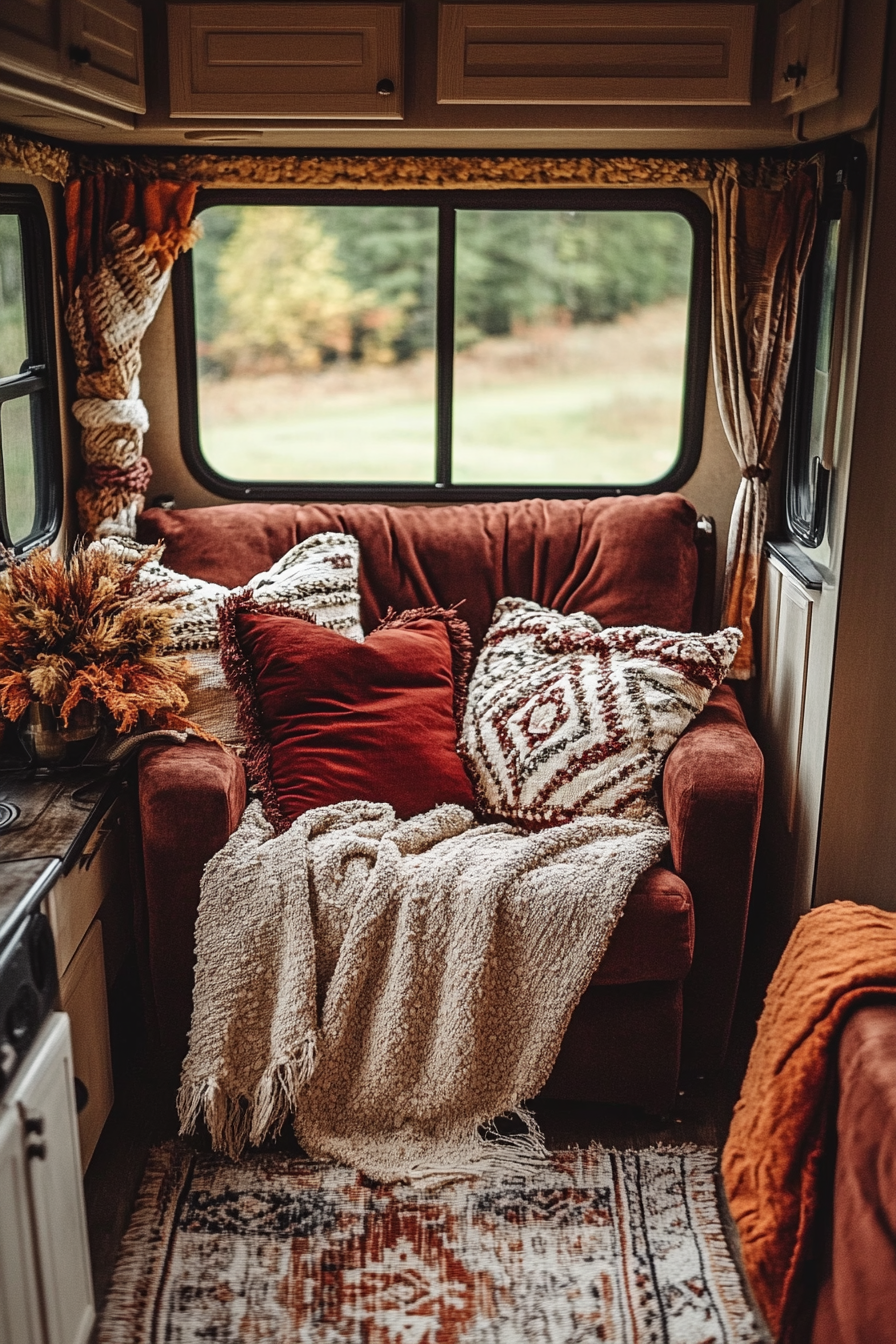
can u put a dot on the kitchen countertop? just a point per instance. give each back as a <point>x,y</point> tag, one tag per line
<point>56,811</point>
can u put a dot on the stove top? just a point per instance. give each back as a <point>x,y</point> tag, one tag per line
<point>27,990</point>
<point>45,818</point>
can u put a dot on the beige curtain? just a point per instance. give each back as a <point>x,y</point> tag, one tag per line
<point>761,243</point>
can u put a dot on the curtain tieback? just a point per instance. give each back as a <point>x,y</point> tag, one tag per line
<point>756,474</point>
<point>135,478</point>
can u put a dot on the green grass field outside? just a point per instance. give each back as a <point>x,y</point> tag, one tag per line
<point>579,406</point>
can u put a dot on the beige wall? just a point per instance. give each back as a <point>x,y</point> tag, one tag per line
<point>857,845</point>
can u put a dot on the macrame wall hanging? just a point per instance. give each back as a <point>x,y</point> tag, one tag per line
<point>128,219</point>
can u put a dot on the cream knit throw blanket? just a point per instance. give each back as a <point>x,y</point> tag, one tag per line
<point>395,986</point>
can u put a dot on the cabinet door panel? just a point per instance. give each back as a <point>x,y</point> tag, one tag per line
<point>82,994</point>
<point>104,52</point>
<point>285,61</point>
<point>790,53</point>
<point>38,19</point>
<point>29,36</point>
<point>45,1096</point>
<point>19,1304</point>
<point>807,54</point>
<point>618,53</point>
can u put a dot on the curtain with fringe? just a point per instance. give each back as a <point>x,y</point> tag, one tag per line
<point>761,244</point>
<point>123,237</point>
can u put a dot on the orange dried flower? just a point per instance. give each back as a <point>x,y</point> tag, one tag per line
<point>82,629</point>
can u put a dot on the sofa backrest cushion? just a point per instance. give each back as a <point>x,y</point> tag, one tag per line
<point>627,561</point>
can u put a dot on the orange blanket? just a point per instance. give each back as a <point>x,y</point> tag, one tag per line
<point>838,956</point>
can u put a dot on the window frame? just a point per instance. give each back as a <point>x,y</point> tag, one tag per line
<point>807,481</point>
<point>696,363</point>
<point>39,382</point>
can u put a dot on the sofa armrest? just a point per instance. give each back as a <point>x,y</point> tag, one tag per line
<point>712,794</point>
<point>191,799</point>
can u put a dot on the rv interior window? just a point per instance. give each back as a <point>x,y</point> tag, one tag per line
<point>813,387</point>
<point>30,485</point>
<point>424,345</point>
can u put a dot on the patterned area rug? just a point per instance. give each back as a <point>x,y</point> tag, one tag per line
<point>617,1247</point>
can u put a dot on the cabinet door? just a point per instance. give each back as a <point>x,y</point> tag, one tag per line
<point>19,1304</point>
<point>285,61</point>
<point>807,54</point>
<point>30,36</point>
<point>82,994</point>
<point>45,1098</point>
<point>604,53</point>
<point>103,52</point>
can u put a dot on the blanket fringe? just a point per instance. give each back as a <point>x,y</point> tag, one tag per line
<point>233,1122</point>
<point>491,1155</point>
<point>277,1094</point>
<point>481,1154</point>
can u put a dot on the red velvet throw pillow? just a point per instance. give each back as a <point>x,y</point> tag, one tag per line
<point>328,720</point>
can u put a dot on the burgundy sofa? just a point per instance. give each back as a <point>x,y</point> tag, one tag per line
<point>662,999</point>
<point>857,1297</point>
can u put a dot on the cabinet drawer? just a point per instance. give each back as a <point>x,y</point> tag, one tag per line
<point>82,994</point>
<point>73,903</point>
<point>625,53</point>
<point>286,61</point>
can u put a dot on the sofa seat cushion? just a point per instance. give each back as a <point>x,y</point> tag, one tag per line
<point>627,561</point>
<point>654,939</point>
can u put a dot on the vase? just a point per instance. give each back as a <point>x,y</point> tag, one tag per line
<point>48,743</point>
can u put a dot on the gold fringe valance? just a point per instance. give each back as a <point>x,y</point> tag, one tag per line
<point>36,158</point>
<point>410,172</point>
<point>442,171</point>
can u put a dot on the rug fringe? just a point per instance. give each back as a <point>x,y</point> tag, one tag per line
<point>143,1252</point>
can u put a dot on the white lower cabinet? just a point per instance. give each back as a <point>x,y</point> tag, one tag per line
<point>20,1321</point>
<point>44,1255</point>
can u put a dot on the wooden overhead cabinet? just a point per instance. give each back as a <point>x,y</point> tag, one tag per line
<point>807,54</point>
<point>78,56</point>
<point>676,54</point>
<point>286,61</point>
<point>104,45</point>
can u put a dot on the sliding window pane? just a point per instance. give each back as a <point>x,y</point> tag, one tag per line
<point>316,342</point>
<point>13,329</point>
<point>19,483</point>
<point>570,339</point>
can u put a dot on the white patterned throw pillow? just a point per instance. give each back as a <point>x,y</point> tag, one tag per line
<point>319,575</point>
<point>566,718</point>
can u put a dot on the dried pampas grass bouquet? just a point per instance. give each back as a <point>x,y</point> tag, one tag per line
<point>82,630</point>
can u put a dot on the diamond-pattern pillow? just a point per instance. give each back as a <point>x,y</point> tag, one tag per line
<point>565,718</point>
